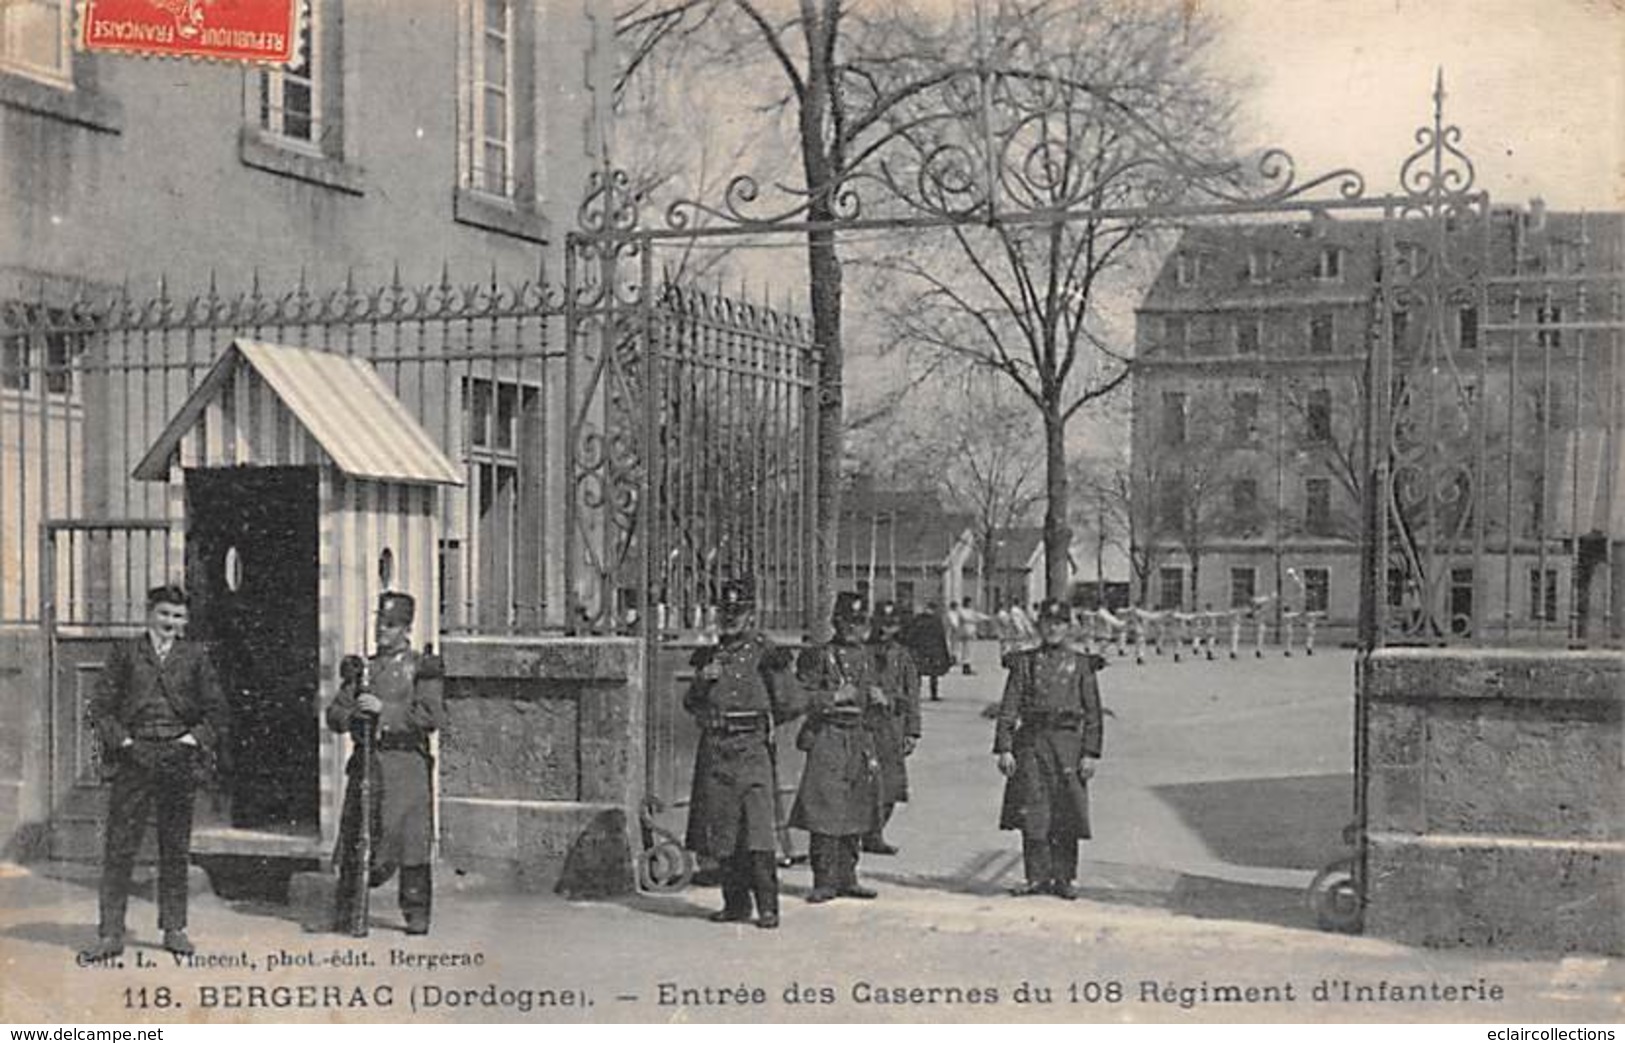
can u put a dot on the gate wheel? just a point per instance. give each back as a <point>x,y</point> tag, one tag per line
<point>1334,899</point>
<point>664,867</point>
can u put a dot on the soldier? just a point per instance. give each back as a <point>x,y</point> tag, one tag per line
<point>741,687</point>
<point>838,801</point>
<point>161,719</point>
<point>1048,736</point>
<point>895,728</point>
<point>401,689</point>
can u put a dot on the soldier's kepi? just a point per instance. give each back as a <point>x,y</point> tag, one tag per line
<point>838,801</point>
<point>741,687</point>
<point>1048,735</point>
<point>400,691</point>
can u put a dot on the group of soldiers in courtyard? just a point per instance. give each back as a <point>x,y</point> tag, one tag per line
<point>855,702</point>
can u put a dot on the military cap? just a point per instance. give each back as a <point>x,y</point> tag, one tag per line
<point>1054,611</point>
<point>850,606</point>
<point>736,596</point>
<point>887,614</point>
<point>396,609</point>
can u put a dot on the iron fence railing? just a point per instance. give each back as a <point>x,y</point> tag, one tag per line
<point>87,385</point>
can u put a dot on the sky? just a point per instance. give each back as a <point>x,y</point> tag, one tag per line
<point>1536,86</point>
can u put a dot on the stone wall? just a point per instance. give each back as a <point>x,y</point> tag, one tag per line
<point>1496,807</point>
<point>541,762</point>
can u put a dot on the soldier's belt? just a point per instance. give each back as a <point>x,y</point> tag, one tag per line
<point>737,722</point>
<point>407,739</point>
<point>1042,719</point>
<point>843,716</point>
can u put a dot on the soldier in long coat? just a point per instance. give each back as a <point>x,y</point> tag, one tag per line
<point>838,801</point>
<point>402,691</point>
<point>927,639</point>
<point>742,687</point>
<point>896,727</point>
<point>1047,738</point>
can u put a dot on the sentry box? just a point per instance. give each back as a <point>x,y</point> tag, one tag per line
<point>307,489</point>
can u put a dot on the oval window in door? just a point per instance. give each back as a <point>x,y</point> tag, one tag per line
<point>233,569</point>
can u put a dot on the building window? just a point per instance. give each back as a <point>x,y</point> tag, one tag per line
<point>1318,416</point>
<point>30,361</point>
<point>1260,263</point>
<point>903,594</point>
<point>1317,589</point>
<point>1244,505</point>
<point>1550,316</point>
<point>1408,260</point>
<point>496,577</point>
<point>1321,339</point>
<point>290,97</point>
<point>1173,418</point>
<point>295,122</point>
<point>1249,334</point>
<point>1317,506</point>
<point>36,38</point>
<point>1243,587</point>
<point>1188,268</point>
<point>488,125</point>
<point>1243,417</point>
<point>1461,601</point>
<point>1543,595</point>
<point>1174,333</point>
<point>1170,588</point>
<point>1467,329</point>
<point>1402,330</point>
<point>1397,587</point>
<point>1330,267</point>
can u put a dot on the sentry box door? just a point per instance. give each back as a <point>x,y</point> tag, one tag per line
<point>252,562</point>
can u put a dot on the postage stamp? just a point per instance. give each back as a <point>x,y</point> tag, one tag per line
<point>255,31</point>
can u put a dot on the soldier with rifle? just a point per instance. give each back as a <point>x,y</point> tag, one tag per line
<point>895,727</point>
<point>390,703</point>
<point>838,801</point>
<point>1047,740</point>
<point>742,686</point>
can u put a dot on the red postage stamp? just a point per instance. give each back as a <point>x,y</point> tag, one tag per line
<point>259,31</point>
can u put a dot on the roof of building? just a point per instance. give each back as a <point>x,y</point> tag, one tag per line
<point>339,399</point>
<point>1278,264</point>
<point>900,524</point>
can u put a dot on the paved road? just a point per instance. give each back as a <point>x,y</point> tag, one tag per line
<point>1224,786</point>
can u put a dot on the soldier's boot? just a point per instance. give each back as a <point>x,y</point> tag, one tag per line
<point>1035,859</point>
<point>824,853</point>
<point>764,882</point>
<point>875,842</point>
<point>736,883</point>
<point>417,897</point>
<point>1064,858</point>
<point>848,887</point>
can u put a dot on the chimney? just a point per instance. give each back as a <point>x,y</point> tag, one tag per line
<point>1537,214</point>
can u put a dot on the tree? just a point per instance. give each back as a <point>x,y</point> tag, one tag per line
<point>1088,96</point>
<point>968,441</point>
<point>840,74</point>
<point>1105,102</point>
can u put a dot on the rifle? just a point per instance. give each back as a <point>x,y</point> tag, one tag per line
<point>781,819</point>
<point>355,874</point>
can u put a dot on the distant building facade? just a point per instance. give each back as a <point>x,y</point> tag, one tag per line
<point>1250,398</point>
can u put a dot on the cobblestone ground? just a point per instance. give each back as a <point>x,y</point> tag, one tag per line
<point>1225,786</point>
